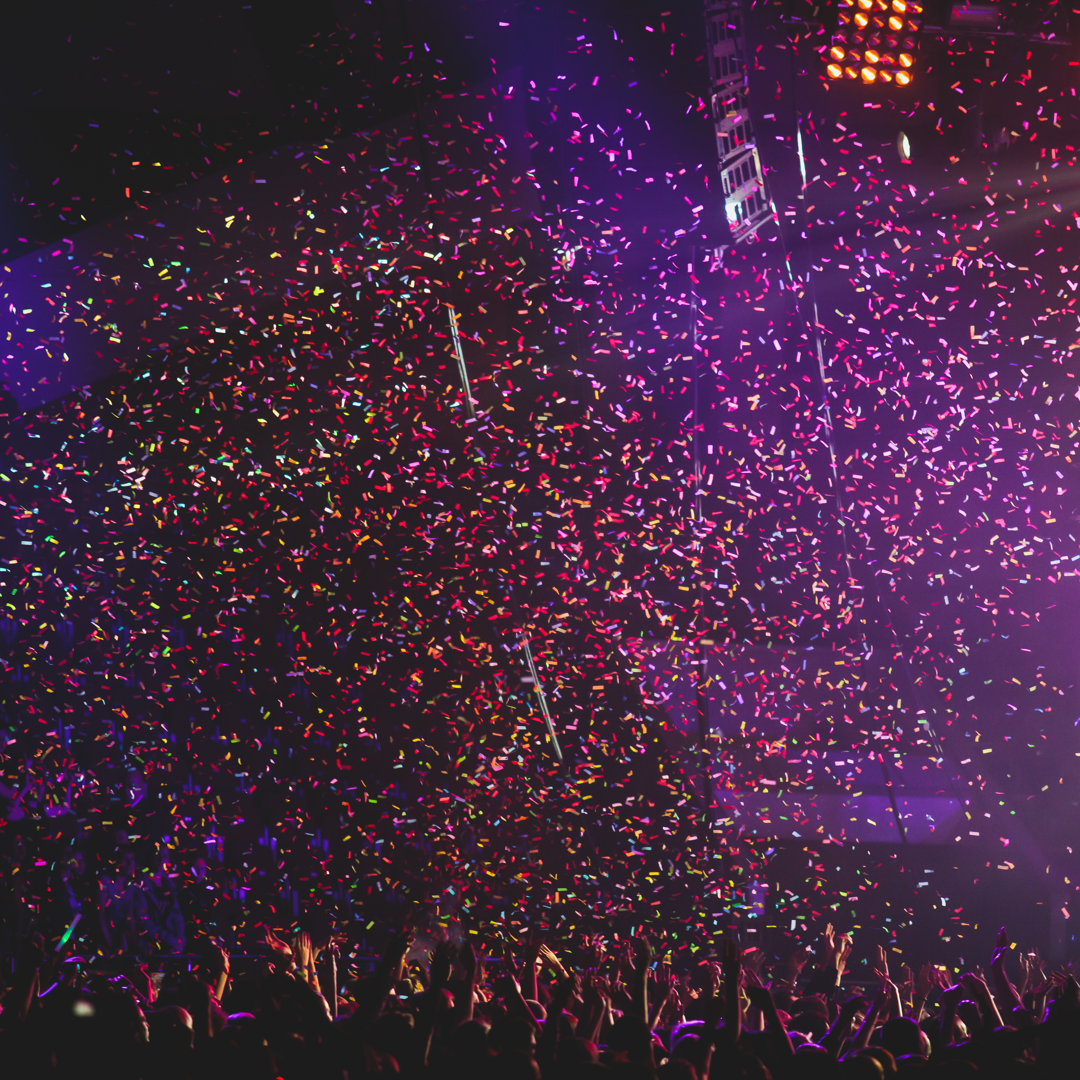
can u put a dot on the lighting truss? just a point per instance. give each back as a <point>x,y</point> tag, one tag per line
<point>746,204</point>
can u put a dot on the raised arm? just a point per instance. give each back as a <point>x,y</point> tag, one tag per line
<point>881,1002</point>
<point>893,1005</point>
<point>513,999</point>
<point>567,988</point>
<point>980,993</point>
<point>946,1019</point>
<point>530,966</point>
<point>597,1009</point>
<point>924,983</point>
<point>732,990</point>
<point>761,999</point>
<point>388,973</point>
<point>431,1004</point>
<point>826,979</point>
<point>218,969</point>
<point>840,1031</point>
<point>639,978</point>
<point>1007,996</point>
<point>470,964</point>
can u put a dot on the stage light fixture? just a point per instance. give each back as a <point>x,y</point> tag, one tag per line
<point>835,71</point>
<point>874,37</point>
<point>902,78</point>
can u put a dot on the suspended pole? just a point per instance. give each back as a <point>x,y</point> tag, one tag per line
<point>455,337</point>
<point>701,675</point>
<point>538,689</point>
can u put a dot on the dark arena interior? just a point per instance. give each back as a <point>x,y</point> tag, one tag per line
<point>523,522</point>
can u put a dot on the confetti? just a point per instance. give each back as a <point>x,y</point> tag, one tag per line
<point>789,527</point>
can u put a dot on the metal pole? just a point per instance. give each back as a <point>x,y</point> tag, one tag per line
<point>460,357</point>
<point>542,697</point>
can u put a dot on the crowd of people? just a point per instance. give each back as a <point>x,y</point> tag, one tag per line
<point>303,1004</point>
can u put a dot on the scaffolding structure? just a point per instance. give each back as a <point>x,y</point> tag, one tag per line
<point>746,203</point>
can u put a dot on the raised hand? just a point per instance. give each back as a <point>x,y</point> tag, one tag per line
<point>664,976</point>
<point>531,953</point>
<point>1001,948</point>
<point>1038,964</point>
<point>303,950</point>
<point>795,963</point>
<point>1027,972</point>
<point>829,937</point>
<point>624,962</point>
<point>396,955</point>
<point>530,967</point>
<point>732,968</point>
<point>277,946</point>
<point>595,952</point>
<point>469,959</point>
<point>890,993</point>
<point>596,1005</point>
<point>753,958</point>
<point>844,1024</point>
<point>401,943</point>
<point>507,983</point>
<point>881,964</point>
<point>440,965</point>
<point>549,957</point>
<point>843,951</point>
<point>570,987</point>
<point>643,953</point>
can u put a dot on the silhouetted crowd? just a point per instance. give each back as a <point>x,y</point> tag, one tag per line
<point>302,1004</point>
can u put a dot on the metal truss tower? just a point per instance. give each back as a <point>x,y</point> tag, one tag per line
<point>746,203</point>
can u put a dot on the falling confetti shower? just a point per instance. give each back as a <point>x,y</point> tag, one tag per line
<point>375,412</point>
